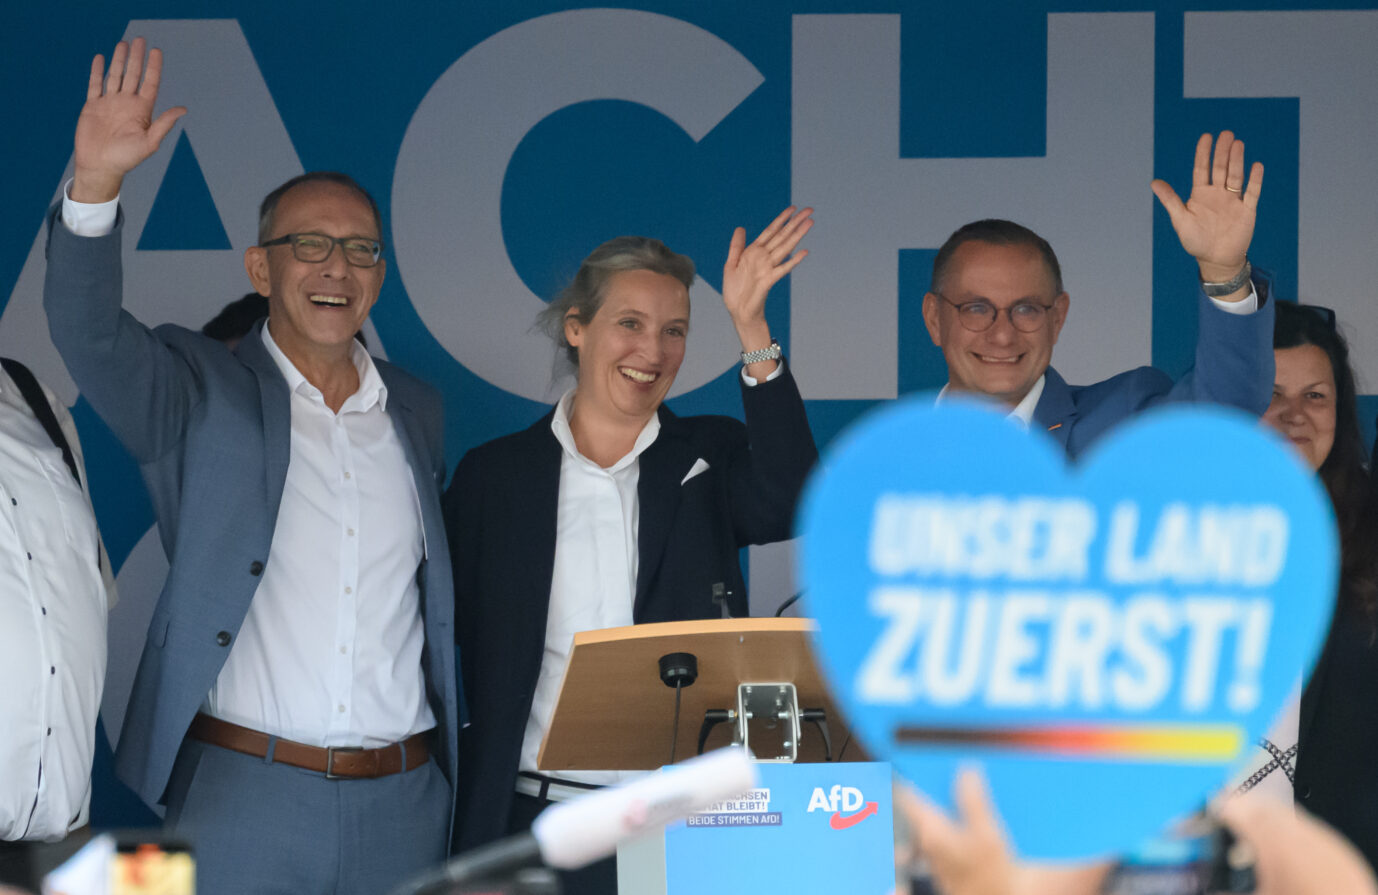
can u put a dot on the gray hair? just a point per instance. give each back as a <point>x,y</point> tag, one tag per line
<point>584,295</point>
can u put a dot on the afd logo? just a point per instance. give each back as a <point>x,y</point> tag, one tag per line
<point>841,799</point>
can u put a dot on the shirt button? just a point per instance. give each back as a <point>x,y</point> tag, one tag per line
<point>341,709</point>
<point>52,669</point>
<point>14,502</point>
<point>255,568</point>
<point>349,590</point>
<point>350,532</point>
<point>344,650</point>
<point>349,475</point>
<point>223,638</point>
<point>28,554</point>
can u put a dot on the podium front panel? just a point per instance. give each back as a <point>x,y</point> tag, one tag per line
<point>806,828</point>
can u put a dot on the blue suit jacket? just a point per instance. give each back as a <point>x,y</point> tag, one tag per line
<point>212,431</point>
<point>1234,367</point>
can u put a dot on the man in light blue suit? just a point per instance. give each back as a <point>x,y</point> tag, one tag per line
<point>296,705</point>
<point>996,306</point>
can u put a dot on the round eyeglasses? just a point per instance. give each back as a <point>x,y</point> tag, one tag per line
<point>980,315</point>
<point>314,248</point>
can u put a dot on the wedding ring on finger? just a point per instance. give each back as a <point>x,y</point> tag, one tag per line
<point>1231,189</point>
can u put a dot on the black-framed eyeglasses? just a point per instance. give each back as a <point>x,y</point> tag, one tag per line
<point>313,248</point>
<point>980,315</point>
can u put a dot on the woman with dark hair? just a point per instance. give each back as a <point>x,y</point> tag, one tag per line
<point>1314,407</point>
<point>611,510</point>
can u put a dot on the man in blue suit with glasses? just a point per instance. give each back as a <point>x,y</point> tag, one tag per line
<point>996,305</point>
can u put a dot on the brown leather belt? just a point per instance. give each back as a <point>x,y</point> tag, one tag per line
<point>333,762</point>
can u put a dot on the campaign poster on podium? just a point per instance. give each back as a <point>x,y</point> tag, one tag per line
<point>824,827</point>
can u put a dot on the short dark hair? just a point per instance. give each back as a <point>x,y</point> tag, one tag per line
<point>996,232</point>
<point>269,206</point>
<point>584,295</point>
<point>236,319</point>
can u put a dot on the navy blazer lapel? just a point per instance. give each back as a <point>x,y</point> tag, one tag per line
<point>1056,411</point>
<point>537,503</point>
<point>663,468</point>
<point>277,413</point>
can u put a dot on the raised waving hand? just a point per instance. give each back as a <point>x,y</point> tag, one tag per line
<point>117,130</point>
<point>752,269</point>
<point>1216,223</point>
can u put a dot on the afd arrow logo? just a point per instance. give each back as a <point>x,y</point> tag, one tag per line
<point>838,822</point>
<point>841,799</point>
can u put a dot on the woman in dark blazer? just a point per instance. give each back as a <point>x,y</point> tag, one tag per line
<point>611,509</point>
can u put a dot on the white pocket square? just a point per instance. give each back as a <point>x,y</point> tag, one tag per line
<point>700,465</point>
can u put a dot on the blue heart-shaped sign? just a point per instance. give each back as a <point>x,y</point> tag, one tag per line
<point>1107,641</point>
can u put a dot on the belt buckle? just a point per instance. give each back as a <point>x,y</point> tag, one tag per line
<point>330,760</point>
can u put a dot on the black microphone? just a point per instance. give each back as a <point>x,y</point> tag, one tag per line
<point>788,603</point>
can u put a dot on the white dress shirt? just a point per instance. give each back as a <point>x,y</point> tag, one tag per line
<point>594,581</point>
<point>1023,411</point>
<point>54,597</point>
<point>330,651</point>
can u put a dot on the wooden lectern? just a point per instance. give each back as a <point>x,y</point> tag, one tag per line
<point>615,713</point>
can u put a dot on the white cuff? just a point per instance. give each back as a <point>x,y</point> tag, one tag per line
<point>774,374</point>
<point>85,218</point>
<point>1243,306</point>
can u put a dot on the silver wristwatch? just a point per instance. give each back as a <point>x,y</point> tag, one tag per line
<point>771,352</point>
<point>1231,286</point>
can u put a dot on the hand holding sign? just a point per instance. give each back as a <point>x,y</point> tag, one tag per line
<point>969,855</point>
<point>1295,853</point>
<point>1106,641</point>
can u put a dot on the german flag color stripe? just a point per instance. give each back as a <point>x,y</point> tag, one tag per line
<point>1166,743</point>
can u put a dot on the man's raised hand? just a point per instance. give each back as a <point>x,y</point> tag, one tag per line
<point>117,130</point>
<point>1216,223</point>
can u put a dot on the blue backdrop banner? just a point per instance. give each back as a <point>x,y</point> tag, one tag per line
<point>505,140</point>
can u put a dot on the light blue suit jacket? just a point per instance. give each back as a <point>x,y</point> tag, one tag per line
<point>211,430</point>
<point>1234,368</point>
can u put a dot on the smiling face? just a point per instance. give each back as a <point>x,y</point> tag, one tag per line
<point>1303,407</point>
<point>314,309</point>
<point>1001,362</point>
<point>631,350</point>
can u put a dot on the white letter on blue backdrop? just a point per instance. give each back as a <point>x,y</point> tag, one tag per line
<point>447,187</point>
<point>243,150</point>
<point>1326,59</point>
<point>1089,196</point>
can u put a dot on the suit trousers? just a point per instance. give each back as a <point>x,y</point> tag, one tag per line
<point>259,827</point>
